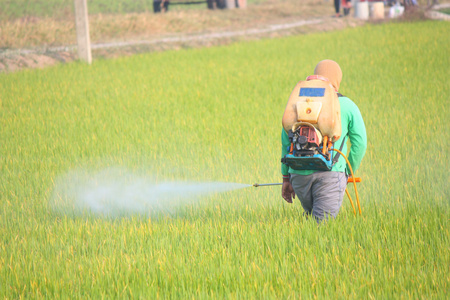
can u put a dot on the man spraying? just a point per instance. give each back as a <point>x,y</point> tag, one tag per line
<point>317,120</point>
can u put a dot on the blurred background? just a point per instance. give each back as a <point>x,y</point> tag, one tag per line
<point>35,33</point>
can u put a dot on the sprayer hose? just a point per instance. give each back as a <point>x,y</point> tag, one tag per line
<point>354,182</point>
<point>351,201</point>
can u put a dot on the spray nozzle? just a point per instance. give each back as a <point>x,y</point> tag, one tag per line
<point>265,184</point>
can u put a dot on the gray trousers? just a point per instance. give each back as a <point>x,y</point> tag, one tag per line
<point>320,193</point>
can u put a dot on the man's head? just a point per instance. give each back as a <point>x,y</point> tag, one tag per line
<point>331,70</point>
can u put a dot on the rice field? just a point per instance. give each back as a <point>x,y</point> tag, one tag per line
<point>214,115</point>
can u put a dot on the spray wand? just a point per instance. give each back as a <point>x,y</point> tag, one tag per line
<point>265,184</point>
<point>351,179</point>
<point>357,179</point>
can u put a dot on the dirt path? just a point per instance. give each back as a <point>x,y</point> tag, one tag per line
<point>39,57</point>
<point>263,22</point>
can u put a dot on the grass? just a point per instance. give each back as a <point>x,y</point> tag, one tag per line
<point>56,27</point>
<point>61,8</point>
<point>445,10</point>
<point>214,114</point>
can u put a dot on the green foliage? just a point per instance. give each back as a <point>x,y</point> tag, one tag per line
<point>12,9</point>
<point>445,10</point>
<point>215,114</point>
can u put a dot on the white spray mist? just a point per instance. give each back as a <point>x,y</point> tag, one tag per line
<point>117,193</point>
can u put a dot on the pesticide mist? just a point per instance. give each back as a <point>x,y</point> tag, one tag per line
<point>118,193</point>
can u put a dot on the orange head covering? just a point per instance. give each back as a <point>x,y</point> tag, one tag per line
<point>331,70</point>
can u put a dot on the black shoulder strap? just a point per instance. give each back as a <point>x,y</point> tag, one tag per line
<point>336,156</point>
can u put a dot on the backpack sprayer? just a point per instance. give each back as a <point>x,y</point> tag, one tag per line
<point>312,120</point>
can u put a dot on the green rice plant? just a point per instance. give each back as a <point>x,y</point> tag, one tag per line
<point>214,114</point>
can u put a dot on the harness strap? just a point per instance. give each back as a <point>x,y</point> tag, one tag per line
<point>336,157</point>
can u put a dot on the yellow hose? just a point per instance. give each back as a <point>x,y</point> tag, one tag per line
<point>354,183</point>
<point>351,201</point>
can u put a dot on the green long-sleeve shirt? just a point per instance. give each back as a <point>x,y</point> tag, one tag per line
<point>352,126</point>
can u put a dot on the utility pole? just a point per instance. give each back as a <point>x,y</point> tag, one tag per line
<point>82,25</point>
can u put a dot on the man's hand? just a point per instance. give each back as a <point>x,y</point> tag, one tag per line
<point>287,192</point>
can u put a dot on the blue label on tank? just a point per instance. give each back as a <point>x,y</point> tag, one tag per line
<point>312,92</point>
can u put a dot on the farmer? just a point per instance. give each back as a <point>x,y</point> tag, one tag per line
<point>321,192</point>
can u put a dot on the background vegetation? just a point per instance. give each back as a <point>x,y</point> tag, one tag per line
<point>45,24</point>
<point>60,8</point>
<point>12,9</point>
<point>214,114</point>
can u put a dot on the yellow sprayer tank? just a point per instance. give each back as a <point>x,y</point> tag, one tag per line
<point>314,101</point>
